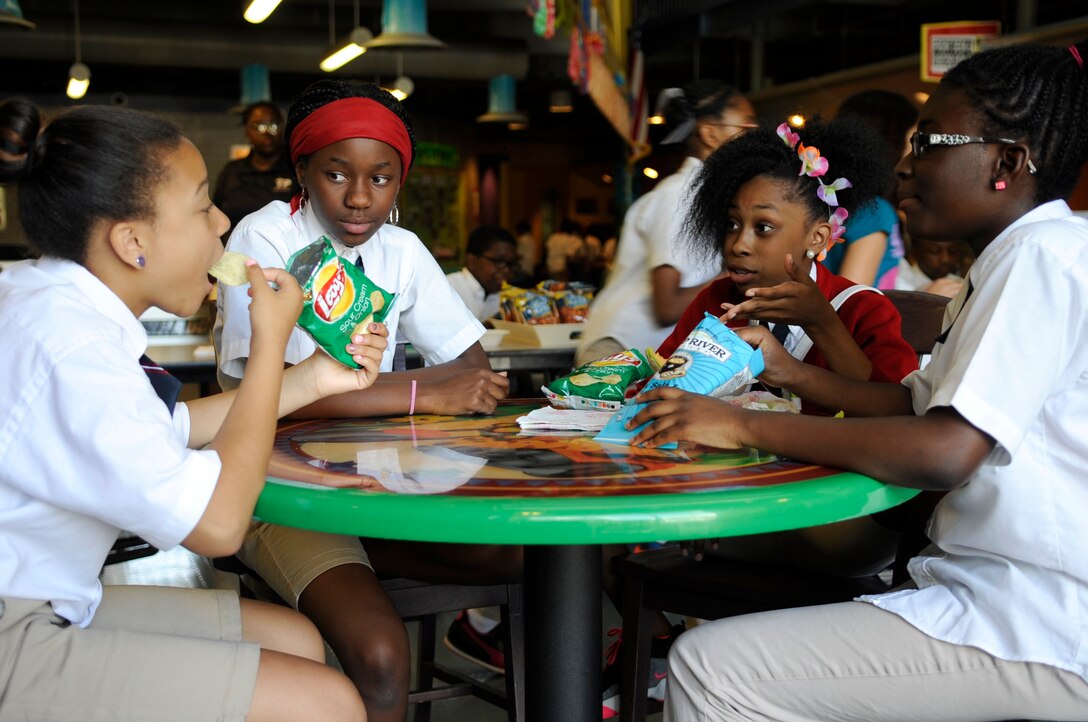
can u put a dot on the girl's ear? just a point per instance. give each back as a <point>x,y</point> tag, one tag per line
<point>124,237</point>
<point>1013,163</point>
<point>819,237</point>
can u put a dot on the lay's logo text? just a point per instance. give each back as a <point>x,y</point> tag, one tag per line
<point>335,292</point>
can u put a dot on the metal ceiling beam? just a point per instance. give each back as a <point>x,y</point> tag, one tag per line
<point>293,56</point>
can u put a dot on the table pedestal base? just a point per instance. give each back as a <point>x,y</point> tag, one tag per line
<point>563,633</point>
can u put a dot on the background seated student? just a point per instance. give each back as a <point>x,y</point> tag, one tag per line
<point>754,215</point>
<point>491,255</point>
<point>931,266</point>
<point>117,203</point>
<point>994,625</point>
<point>352,146</point>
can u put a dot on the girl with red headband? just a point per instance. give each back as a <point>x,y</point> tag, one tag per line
<point>352,146</point>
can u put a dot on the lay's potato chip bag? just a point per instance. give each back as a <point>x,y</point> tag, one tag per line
<point>338,299</point>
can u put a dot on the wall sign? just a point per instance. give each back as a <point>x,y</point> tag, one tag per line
<point>945,44</point>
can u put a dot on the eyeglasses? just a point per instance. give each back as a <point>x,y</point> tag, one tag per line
<point>920,141</point>
<point>501,263</point>
<point>269,128</point>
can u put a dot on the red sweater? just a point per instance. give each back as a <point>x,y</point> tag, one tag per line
<point>869,317</point>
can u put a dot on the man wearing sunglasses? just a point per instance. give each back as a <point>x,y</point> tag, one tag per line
<point>265,175</point>
<point>491,256</point>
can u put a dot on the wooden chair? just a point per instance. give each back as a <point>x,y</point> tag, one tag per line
<point>667,580</point>
<point>421,602</point>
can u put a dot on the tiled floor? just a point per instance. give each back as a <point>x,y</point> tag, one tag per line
<point>181,568</point>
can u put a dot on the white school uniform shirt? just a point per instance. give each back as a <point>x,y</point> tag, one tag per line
<point>426,313</point>
<point>86,446</point>
<point>479,301</point>
<point>651,237</point>
<point>1010,575</point>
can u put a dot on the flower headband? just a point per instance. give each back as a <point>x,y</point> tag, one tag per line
<point>814,165</point>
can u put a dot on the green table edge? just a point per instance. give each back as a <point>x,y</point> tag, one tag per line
<point>577,519</point>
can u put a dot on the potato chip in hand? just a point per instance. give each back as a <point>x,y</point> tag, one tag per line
<point>230,269</point>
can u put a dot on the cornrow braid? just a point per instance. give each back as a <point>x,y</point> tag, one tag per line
<point>1038,94</point>
<point>323,92</point>
<point>853,150</point>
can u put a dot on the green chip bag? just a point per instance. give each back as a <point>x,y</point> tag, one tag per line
<point>599,384</point>
<point>338,299</point>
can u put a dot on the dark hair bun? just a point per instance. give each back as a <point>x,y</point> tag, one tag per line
<point>20,123</point>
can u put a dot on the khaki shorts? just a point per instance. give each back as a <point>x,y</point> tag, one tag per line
<point>149,653</point>
<point>288,559</point>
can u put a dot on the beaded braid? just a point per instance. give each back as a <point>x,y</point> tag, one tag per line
<point>323,92</point>
<point>1038,93</point>
<point>852,148</point>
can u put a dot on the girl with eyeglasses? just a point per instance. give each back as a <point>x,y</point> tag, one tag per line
<point>994,623</point>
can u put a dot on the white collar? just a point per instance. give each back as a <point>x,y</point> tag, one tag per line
<point>101,298</point>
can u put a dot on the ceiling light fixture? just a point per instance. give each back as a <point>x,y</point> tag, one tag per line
<point>79,75</point>
<point>259,10</point>
<point>404,25</point>
<point>12,14</point>
<point>353,46</point>
<point>403,85</point>
<point>561,102</point>
<point>500,103</point>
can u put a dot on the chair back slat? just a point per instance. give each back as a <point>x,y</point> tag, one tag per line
<point>923,316</point>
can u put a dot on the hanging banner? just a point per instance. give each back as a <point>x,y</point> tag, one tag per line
<point>946,44</point>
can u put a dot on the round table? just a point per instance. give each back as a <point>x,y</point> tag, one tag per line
<point>483,480</point>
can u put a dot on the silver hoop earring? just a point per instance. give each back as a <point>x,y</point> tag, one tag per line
<point>810,254</point>
<point>394,215</point>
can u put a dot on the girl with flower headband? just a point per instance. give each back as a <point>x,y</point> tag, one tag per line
<point>352,145</point>
<point>769,205</point>
<point>994,623</point>
<point>766,208</point>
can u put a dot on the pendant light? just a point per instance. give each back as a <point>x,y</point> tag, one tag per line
<point>500,104</point>
<point>79,75</point>
<point>259,10</point>
<point>403,85</point>
<point>340,54</point>
<point>404,25</point>
<point>12,14</point>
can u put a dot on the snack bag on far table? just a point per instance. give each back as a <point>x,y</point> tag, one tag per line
<point>337,296</point>
<point>713,360</point>
<point>599,384</point>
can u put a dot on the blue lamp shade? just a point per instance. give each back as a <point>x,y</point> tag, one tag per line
<point>404,25</point>
<point>501,107</point>
<point>12,14</point>
<point>255,84</point>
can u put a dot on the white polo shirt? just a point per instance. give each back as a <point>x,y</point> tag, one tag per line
<point>86,446</point>
<point>482,304</point>
<point>426,313</point>
<point>651,237</point>
<point>1011,575</point>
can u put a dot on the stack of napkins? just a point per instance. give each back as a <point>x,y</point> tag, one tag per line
<point>564,419</point>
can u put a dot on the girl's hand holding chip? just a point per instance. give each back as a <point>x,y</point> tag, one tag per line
<point>274,311</point>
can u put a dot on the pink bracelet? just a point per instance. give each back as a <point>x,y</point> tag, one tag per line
<point>412,405</point>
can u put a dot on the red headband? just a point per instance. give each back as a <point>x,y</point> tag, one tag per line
<point>352,118</point>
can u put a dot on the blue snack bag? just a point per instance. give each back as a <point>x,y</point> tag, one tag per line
<point>713,360</point>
